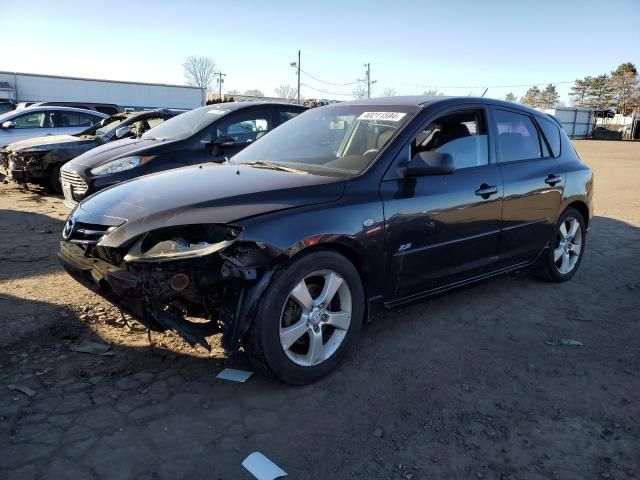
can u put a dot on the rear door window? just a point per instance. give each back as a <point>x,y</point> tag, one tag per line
<point>75,119</point>
<point>245,127</point>
<point>517,136</point>
<point>551,132</point>
<point>285,115</point>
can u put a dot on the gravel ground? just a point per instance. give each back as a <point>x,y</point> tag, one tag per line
<point>477,384</point>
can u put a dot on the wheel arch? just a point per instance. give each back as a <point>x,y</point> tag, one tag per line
<point>581,207</point>
<point>350,252</point>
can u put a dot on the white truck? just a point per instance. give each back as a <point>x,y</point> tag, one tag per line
<point>100,95</point>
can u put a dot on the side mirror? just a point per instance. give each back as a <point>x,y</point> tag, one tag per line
<point>123,131</point>
<point>9,124</point>
<point>224,142</point>
<point>430,163</point>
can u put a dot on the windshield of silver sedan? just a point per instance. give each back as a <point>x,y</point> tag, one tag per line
<point>338,140</point>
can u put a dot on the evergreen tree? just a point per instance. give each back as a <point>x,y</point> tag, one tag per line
<point>549,97</point>
<point>532,97</point>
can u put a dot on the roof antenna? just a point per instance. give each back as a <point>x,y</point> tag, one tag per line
<point>485,91</point>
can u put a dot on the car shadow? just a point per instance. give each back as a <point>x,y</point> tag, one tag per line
<point>28,244</point>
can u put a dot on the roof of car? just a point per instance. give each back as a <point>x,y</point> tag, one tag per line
<point>12,113</point>
<point>237,105</point>
<point>57,107</point>
<point>150,113</point>
<point>424,100</point>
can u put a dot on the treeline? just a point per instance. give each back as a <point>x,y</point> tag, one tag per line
<point>619,91</point>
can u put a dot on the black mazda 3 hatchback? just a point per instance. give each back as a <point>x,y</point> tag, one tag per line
<point>340,213</point>
<point>205,134</point>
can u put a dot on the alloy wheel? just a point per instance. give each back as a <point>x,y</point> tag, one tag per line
<point>315,318</point>
<point>568,245</point>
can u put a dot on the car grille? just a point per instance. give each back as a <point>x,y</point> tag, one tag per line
<point>114,256</point>
<point>87,233</point>
<point>76,181</point>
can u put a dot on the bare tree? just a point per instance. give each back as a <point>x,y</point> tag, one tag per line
<point>432,92</point>
<point>359,91</point>
<point>199,71</point>
<point>510,97</point>
<point>389,92</point>
<point>287,92</point>
<point>254,92</point>
<point>233,92</point>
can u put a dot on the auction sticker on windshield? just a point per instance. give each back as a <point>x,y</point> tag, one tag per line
<point>389,116</point>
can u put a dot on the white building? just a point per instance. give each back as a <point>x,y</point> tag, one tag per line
<point>29,87</point>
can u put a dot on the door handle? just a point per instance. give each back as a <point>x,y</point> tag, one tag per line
<point>552,179</point>
<point>485,191</point>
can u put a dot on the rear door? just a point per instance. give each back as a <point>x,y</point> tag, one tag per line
<point>444,229</point>
<point>70,123</point>
<point>533,186</point>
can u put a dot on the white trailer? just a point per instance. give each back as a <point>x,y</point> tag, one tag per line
<point>30,87</point>
<point>576,121</point>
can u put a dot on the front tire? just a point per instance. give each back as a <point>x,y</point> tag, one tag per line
<point>54,185</point>
<point>308,318</point>
<point>561,260</point>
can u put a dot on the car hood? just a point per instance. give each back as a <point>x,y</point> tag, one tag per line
<point>114,150</point>
<point>49,142</point>
<point>208,193</point>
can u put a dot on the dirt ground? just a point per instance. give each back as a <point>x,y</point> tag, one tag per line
<point>473,385</point>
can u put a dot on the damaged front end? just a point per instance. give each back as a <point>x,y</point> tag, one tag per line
<point>196,280</point>
<point>25,166</point>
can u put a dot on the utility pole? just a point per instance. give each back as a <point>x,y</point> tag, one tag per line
<point>220,82</point>
<point>368,79</point>
<point>297,65</point>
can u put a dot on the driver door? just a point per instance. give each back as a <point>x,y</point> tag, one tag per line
<point>443,229</point>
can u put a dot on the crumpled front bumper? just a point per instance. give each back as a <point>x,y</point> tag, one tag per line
<point>113,283</point>
<point>20,169</point>
<point>226,291</point>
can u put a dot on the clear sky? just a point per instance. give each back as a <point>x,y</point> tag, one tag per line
<point>411,45</point>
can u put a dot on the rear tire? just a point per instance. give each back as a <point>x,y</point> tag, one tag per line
<point>561,260</point>
<point>308,318</point>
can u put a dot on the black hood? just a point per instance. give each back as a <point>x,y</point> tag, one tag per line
<point>201,194</point>
<point>114,150</point>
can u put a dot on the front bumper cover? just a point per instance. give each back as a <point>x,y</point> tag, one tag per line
<point>222,289</point>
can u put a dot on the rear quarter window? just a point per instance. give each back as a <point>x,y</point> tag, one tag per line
<point>551,132</point>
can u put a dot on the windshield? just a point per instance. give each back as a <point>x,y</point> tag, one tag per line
<point>186,124</point>
<point>335,140</point>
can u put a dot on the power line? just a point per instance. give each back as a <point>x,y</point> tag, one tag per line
<point>327,91</point>
<point>329,83</point>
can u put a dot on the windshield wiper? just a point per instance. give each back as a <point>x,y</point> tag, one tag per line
<point>273,166</point>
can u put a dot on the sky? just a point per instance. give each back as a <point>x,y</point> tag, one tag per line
<point>458,47</point>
